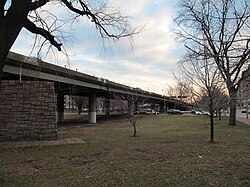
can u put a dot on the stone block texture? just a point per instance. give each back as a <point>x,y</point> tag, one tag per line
<point>27,110</point>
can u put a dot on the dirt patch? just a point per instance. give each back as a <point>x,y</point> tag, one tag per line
<point>23,144</point>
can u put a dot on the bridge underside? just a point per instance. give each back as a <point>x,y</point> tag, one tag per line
<point>62,89</point>
<point>22,70</point>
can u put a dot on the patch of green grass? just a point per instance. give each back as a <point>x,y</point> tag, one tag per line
<point>168,151</point>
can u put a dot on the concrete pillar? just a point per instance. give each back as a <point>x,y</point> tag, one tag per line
<point>136,106</point>
<point>92,108</point>
<point>130,107</point>
<point>107,107</point>
<point>60,107</point>
<point>153,105</point>
<point>164,106</point>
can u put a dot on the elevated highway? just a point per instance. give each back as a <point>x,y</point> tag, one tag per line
<point>70,82</point>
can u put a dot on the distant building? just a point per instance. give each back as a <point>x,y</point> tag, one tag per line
<point>243,94</point>
<point>69,103</point>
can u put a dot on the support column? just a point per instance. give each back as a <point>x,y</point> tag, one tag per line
<point>60,107</point>
<point>136,106</point>
<point>92,108</point>
<point>153,105</point>
<point>107,107</point>
<point>164,106</point>
<point>130,107</point>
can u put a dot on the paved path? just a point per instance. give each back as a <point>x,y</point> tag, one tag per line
<point>242,117</point>
<point>243,120</point>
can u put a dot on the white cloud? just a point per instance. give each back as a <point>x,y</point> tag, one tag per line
<point>148,65</point>
<point>131,7</point>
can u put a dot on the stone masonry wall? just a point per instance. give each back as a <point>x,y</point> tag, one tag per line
<point>27,111</point>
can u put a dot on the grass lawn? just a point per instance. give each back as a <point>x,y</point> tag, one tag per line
<point>169,151</point>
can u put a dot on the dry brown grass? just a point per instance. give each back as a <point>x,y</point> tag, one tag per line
<point>169,151</point>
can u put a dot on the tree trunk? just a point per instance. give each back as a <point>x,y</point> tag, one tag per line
<point>219,114</point>
<point>233,103</point>
<point>10,26</point>
<point>211,111</point>
<point>4,50</point>
<point>3,57</point>
<point>6,42</point>
<point>79,108</point>
<point>211,128</point>
<point>134,135</point>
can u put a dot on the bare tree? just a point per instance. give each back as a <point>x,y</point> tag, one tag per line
<point>220,101</point>
<point>181,91</point>
<point>207,83</point>
<point>126,103</point>
<point>221,27</point>
<point>34,17</point>
<point>117,105</point>
<point>80,102</point>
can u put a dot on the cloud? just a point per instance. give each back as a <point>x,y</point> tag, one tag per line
<point>148,64</point>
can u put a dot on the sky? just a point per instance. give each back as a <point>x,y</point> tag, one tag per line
<point>148,63</point>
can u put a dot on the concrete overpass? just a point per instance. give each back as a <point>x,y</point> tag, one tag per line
<point>70,82</point>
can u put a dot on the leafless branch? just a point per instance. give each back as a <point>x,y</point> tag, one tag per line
<point>105,20</point>
<point>46,34</point>
<point>37,4</point>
